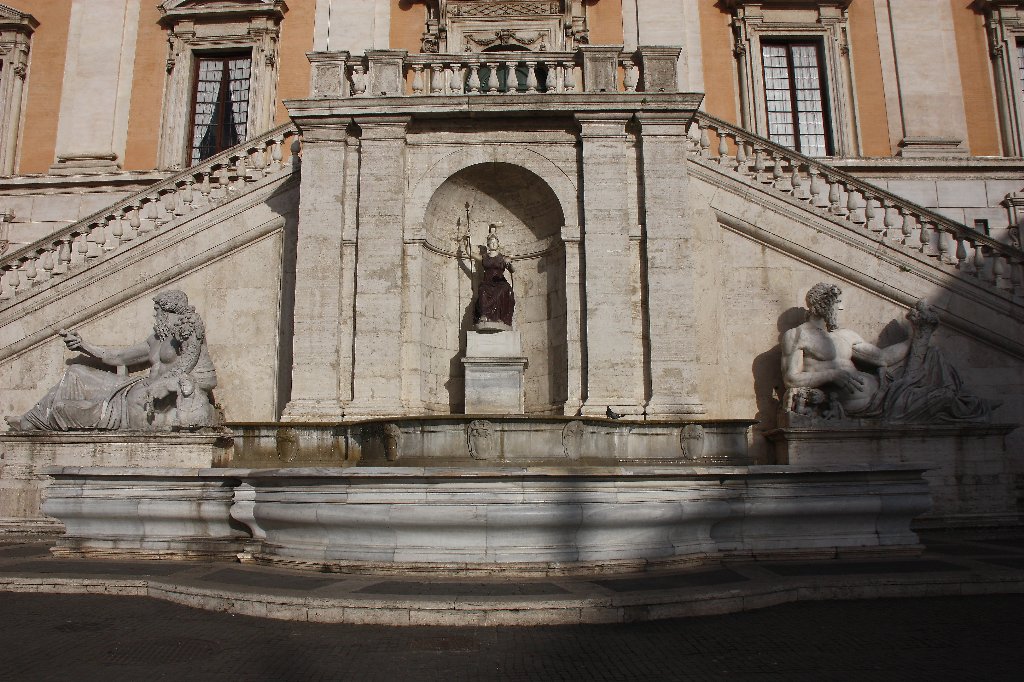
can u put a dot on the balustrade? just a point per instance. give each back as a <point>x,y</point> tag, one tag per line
<point>856,204</point>
<point>152,210</point>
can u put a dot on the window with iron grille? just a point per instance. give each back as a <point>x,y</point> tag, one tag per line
<point>220,106</point>
<point>796,103</point>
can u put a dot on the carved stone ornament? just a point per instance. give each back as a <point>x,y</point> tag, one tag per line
<point>392,436</point>
<point>502,9</point>
<point>691,441</point>
<point>833,374</point>
<point>480,440</point>
<point>176,394</point>
<point>572,440</point>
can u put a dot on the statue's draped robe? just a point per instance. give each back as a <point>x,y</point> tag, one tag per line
<point>495,301</point>
<point>927,391</point>
<point>85,398</point>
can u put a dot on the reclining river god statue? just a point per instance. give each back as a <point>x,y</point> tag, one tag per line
<point>832,373</point>
<point>176,394</point>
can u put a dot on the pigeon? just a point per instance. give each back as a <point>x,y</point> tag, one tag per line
<point>612,414</point>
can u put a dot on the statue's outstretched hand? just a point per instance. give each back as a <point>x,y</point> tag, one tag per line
<point>72,340</point>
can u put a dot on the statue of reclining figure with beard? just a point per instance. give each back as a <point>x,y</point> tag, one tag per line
<point>175,395</point>
<point>911,381</point>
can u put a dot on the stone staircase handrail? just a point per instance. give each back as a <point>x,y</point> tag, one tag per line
<point>204,185</point>
<point>857,203</point>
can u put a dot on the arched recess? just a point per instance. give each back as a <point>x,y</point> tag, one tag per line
<point>531,219</point>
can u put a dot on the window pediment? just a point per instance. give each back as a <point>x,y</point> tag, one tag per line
<point>173,11</point>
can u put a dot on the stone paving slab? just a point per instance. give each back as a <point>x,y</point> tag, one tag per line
<point>953,564</point>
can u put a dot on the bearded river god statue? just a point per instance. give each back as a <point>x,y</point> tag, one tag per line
<point>175,395</point>
<point>824,368</point>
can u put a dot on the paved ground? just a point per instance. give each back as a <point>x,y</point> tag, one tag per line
<point>95,637</point>
<point>47,637</point>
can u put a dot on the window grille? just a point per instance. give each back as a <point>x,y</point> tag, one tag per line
<point>796,104</point>
<point>220,108</point>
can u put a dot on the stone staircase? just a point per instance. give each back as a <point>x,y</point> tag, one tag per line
<point>858,231</point>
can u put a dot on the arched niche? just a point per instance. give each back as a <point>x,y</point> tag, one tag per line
<point>531,221</point>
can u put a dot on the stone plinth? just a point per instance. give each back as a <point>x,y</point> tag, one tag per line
<point>147,512</point>
<point>966,463</point>
<point>26,454</point>
<point>494,366</point>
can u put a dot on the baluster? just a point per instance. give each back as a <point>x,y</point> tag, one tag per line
<point>943,240</point>
<point>961,254</point>
<point>871,206</point>
<point>979,260</point>
<point>474,79</point>
<point>64,255</point>
<point>259,160</point>
<point>116,231</point>
<point>631,76</point>
<point>531,77</point>
<point>13,282</point>
<point>759,166</point>
<point>551,80</point>
<point>780,180</point>
<point>801,190</point>
<point>999,273</point>
<point>925,236</point>
<point>511,78</point>
<point>741,155</point>
<point>705,142</point>
<point>417,79</point>
<point>5,289</point>
<point>223,183</point>
<point>892,221</point>
<point>837,206</point>
<point>205,190</point>
<point>854,208</point>
<point>276,154</point>
<point>82,247</point>
<point>97,237</point>
<point>436,79</point>
<point>358,80</point>
<point>187,197</point>
<point>723,150</point>
<point>819,188</point>
<point>909,226</point>
<point>48,261</point>
<point>29,266</point>
<point>241,174</point>
<point>492,77</point>
<point>455,79</point>
<point>170,202</point>
<point>569,76</point>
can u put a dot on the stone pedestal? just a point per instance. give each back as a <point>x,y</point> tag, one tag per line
<point>966,463</point>
<point>494,366</point>
<point>25,456</point>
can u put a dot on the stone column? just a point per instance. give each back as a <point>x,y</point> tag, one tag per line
<point>671,286</point>
<point>928,69</point>
<point>613,362</point>
<point>319,278</point>
<point>573,320</point>
<point>96,93</point>
<point>377,371</point>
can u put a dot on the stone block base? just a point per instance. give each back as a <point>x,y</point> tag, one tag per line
<point>966,463</point>
<point>26,454</point>
<point>494,367</point>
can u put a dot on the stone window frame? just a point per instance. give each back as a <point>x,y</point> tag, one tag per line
<point>201,29</point>
<point>16,30</point>
<point>825,21</point>
<point>1004,24</point>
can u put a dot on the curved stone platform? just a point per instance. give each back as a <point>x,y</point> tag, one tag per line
<point>513,521</point>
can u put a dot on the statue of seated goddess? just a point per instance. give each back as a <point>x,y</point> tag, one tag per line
<point>176,394</point>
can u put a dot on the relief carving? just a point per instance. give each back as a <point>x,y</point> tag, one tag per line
<point>572,440</point>
<point>481,440</point>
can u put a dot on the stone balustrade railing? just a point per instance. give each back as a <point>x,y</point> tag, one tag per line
<point>206,185</point>
<point>592,68</point>
<point>861,206</point>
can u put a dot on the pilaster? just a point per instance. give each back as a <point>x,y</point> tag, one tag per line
<point>612,361</point>
<point>380,273</point>
<point>671,286</point>
<point>320,278</point>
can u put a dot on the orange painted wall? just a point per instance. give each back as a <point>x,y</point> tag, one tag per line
<point>408,19</point>
<point>719,64</point>
<point>604,21</point>
<point>867,67</point>
<point>976,77</point>
<point>148,79</point>
<point>45,81</point>
<point>296,41</point>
